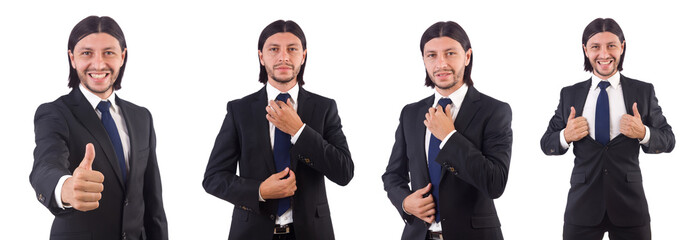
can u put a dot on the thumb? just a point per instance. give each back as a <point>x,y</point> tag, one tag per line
<point>635,110</point>
<point>448,110</point>
<point>89,157</point>
<point>425,189</point>
<point>282,174</point>
<point>572,113</point>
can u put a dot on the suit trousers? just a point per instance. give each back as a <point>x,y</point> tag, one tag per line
<point>575,232</point>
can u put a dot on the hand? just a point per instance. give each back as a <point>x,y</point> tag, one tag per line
<point>576,128</point>
<point>275,187</point>
<point>419,206</point>
<point>632,126</point>
<point>283,116</point>
<point>83,189</point>
<point>439,122</point>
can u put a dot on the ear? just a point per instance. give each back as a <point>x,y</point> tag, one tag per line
<point>623,46</point>
<point>304,55</point>
<point>261,58</point>
<point>123,57</point>
<point>468,57</point>
<point>72,59</point>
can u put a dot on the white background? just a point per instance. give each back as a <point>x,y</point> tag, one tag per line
<point>186,60</point>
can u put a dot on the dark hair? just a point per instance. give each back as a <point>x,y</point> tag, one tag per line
<point>282,26</point>
<point>87,26</point>
<point>602,25</point>
<point>454,31</point>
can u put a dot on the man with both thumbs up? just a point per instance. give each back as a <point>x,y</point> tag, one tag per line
<point>607,118</point>
<point>95,166</point>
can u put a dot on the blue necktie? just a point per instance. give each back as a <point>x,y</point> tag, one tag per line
<point>602,114</point>
<point>110,126</point>
<point>434,168</point>
<point>281,155</point>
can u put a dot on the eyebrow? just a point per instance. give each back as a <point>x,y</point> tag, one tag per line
<point>446,50</point>
<point>276,44</point>
<point>90,49</point>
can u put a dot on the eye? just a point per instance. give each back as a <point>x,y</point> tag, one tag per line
<point>430,55</point>
<point>273,49</point>
<point>109,53</point>
<point>594,47</point>
<point>86,53</point>
<point>292,49</point>
<point>451,53</point>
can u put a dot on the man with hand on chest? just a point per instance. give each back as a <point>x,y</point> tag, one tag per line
<point>285,141</point>
<point>453,147</point>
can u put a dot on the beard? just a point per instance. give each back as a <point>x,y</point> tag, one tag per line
<point>83,76</point>
<point>610,72</point>
<point>282,79</point>
<point>458,76</point>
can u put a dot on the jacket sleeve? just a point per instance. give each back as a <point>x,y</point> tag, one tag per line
<point>661,135</point>
<point>221,179</point>
<point>550,141</point>
<point>50,155</point>
<point>155,219</point>
<point>396,177</point>
<point>485,167</point>
<point>326,152</point>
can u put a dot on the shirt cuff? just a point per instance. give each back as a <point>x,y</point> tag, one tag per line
<point>293,139</point>
<point>646,139</point>
<point>59,190</point>
<point>564,144</point>
<point>260,198</point>
<point>447,138</point>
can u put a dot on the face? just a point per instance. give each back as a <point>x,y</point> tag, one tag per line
<point>97,59</point>
<point>445,61</point>
<point>282,56</point>
<point>604,52</point>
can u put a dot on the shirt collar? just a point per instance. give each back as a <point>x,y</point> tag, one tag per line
<point>94,99</point>
<point>273,92</point>
<point>614,80</point>
<point>457,97</point>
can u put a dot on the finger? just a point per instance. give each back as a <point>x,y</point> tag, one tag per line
<point>291,176</point>
<point>448,110</point>
<point>89,157</point>
<point>429,219</point>
<point>88,197</point>
<point>438,108</point>
<point>635,110</point>
<point>272,111</point>
<point>425,189</point>
<point>86,206</point>
<point>282,173</point>
<point>572,113</point>
<point>284,105</point>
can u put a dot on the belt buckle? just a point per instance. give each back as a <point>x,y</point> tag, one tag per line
<point>284,229</point>
<point>435,235</point>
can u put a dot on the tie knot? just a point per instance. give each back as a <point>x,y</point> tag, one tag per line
<point>103,106</point>
<point>604,84</point>
<point>283,97</point>
<point>443,102</point>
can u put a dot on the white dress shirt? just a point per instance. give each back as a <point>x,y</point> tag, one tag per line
<point>120,125</point>
<point>617,109</point>
<point>457,98</point>
<point>272,93</point>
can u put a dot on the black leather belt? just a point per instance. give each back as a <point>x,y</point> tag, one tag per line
<point>282,229</point>
<point>434,235</point>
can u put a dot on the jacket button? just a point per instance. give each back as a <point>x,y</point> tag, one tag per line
<point>125,203</point>
<point>272,217</point>
<point>123,235</point>
<point>606,171</point>
<point>41,198</point>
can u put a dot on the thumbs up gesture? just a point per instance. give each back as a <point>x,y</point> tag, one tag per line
<point>83,189</point>
<point>576,127</point>
<point>632,126</point>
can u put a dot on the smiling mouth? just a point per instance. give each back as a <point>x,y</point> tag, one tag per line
<point>605,62</point>
<point>443,74</point>
<point>98,75</point>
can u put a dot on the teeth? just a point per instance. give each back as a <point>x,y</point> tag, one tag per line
<point>607,62</point>
<point>98,75</point>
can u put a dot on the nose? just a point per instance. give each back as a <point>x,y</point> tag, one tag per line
<point>603,52</point>
<point>441,62</point>
<point>284,56</point>
<point>98,62</point>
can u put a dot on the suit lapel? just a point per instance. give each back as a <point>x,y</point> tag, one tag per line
<point>131,120</point>
<point>83,112</point>
<point>581,97</point>
<point>629,94</point>
<point>305,109</point>
<point>418,136</point>
<point>260,126</point>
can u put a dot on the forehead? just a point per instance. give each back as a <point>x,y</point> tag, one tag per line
<point>442,43</point>
<point>98,41</point>
<point>283,39</point>
<point>603,37</point>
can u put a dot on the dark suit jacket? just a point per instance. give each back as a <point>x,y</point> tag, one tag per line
<point>321,150</point>
<point>63,128</point>
<point>608,178</point>
<point>475,164</point>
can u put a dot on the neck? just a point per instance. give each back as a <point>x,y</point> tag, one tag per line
<point>604,77</point>
<point>103,95</point>
<point>282,86</point>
